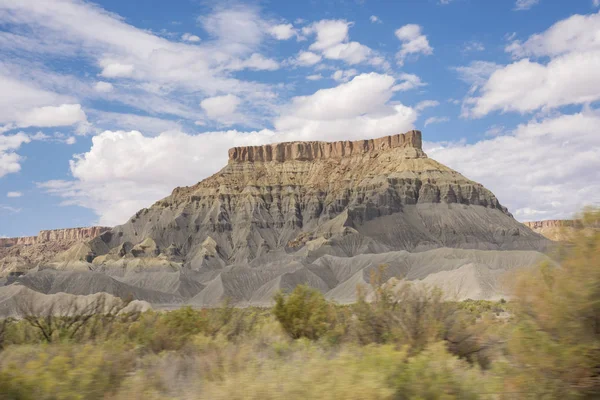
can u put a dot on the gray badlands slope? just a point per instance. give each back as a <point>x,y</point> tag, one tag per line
<point>314,213</point>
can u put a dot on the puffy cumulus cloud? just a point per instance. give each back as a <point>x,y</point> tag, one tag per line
<point>571,75</point>
<point>375,19</point>
<point>50,116</point>
<point>541,178</point>
<point>522,5</point>
<point>413,42</point>
<point>14,194</point>
<point>188,37</point>
<point>220,107</point>
<point>332,41</point>
<point>282,31</point>
<point>356,109</point>
<point>10,162</point>
<point>124,171</point>
<point>307,58</point>
<point>527,86</point>
<point>578,33</point>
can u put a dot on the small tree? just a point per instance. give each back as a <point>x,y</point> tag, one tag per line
<point>304,313</point>
<point>72,318</point>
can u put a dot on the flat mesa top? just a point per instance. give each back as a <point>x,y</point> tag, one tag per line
<point>306,151</point>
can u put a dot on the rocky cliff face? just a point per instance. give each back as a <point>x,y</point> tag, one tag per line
<point>314,151</point>
<point>55,235</point>
<point>22,253</point>
<point>556,230</point>
<point>314,213</point>
<point>309,197</point>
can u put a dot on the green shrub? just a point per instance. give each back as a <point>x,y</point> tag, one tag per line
<point>304,313</point>
<point>555,345</point>
<point>62,371</point>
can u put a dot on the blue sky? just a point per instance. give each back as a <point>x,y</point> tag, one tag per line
<point>106,107</point>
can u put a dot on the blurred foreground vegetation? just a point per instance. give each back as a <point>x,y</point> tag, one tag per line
<point>405,342</point>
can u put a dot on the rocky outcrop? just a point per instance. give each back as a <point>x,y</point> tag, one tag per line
<point>21,241</point>
<point>21,254</point>
<point>311,151</point>
<point>55,235</point>
<point>554,229</point>
<point>302,200</point>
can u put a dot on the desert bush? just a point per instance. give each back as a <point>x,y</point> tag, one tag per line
<point>62,371</point>
<point>74,320</point>
<point>159,331</point>
<point>437,374</point>
<point>555,345</point>
<point>303,313</point>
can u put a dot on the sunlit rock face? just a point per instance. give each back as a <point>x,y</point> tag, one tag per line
<point>307,197</point>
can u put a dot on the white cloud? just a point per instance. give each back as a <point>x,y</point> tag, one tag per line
<point>329,33</point>
<point>14,194</point>
<point>188,37</point>
<point>307,58</point>
<point>70,140</point>
<point>10,162</point>
<point>540,179</point>
<point>184,73</point>
<point>413,42</point>
<point>344,75</point>
<point>49,116</point>
<point>332,42</point>
<point>220,107</point>
<point>578,33</point>
<point>103,87</point>
<point>521,5</point>
<point>25,97</point>
<point>314,77</point>
<point>375,19</point>
<point>570,76</point>
<point>596,3</point>
<point>116,70</point>
<point>125,171</point>
<point>408,82</point>
<point>356,109</point>
<point>426,104</point>
<point>282,31</point>
<point>436,120</point>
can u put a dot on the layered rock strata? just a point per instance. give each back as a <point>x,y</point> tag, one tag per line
<point>23,253</point>
<point>315,213</point>
<point>305,197</point>
<point>55,235</point>
<point>556,230</point>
